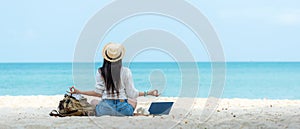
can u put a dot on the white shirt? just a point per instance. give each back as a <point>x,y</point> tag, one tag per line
<point>127,89</point>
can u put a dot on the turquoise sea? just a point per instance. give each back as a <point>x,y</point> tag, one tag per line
<point>253,80</point>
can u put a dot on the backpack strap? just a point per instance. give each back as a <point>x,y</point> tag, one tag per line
<point>55,113</point>
<point>74,113</point>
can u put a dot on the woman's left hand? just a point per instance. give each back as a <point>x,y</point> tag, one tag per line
<point>153,93</point>
<point>73,90</point>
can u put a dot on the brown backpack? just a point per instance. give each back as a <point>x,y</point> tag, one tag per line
<point>70,106</point>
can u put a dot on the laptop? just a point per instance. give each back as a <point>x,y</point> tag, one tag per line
<point>160,108</point>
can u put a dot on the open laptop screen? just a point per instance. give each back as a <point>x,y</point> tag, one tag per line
<point>160,108</point>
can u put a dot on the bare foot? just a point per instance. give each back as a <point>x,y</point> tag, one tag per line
<point>132,102</point>
<point>94,102</point>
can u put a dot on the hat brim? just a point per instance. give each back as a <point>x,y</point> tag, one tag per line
<point>115,59</point>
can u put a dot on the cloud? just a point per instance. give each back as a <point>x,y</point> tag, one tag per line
<point>246,13</point>
<point>284,16</point>
<point>289,18</point>
<point>30,34</point>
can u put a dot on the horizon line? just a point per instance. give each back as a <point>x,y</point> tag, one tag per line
<point>161,62</point>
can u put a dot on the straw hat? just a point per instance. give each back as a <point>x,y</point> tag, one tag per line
<point>113,52</point>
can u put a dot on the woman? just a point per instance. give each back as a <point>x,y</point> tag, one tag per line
<point>114,84</point>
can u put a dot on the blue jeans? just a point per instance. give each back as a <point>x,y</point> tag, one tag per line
<point>114,108</point>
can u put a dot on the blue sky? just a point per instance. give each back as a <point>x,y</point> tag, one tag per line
<point>249,30</point>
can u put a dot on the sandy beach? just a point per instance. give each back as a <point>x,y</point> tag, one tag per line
<point>33,112</point>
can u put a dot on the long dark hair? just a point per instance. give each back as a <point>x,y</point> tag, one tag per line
<point>111,71</point>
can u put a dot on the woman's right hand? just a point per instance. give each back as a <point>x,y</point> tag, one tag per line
<point>73,90</point>
<point>153,93</point>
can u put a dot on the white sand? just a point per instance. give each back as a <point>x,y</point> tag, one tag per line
<point>32,112</point>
